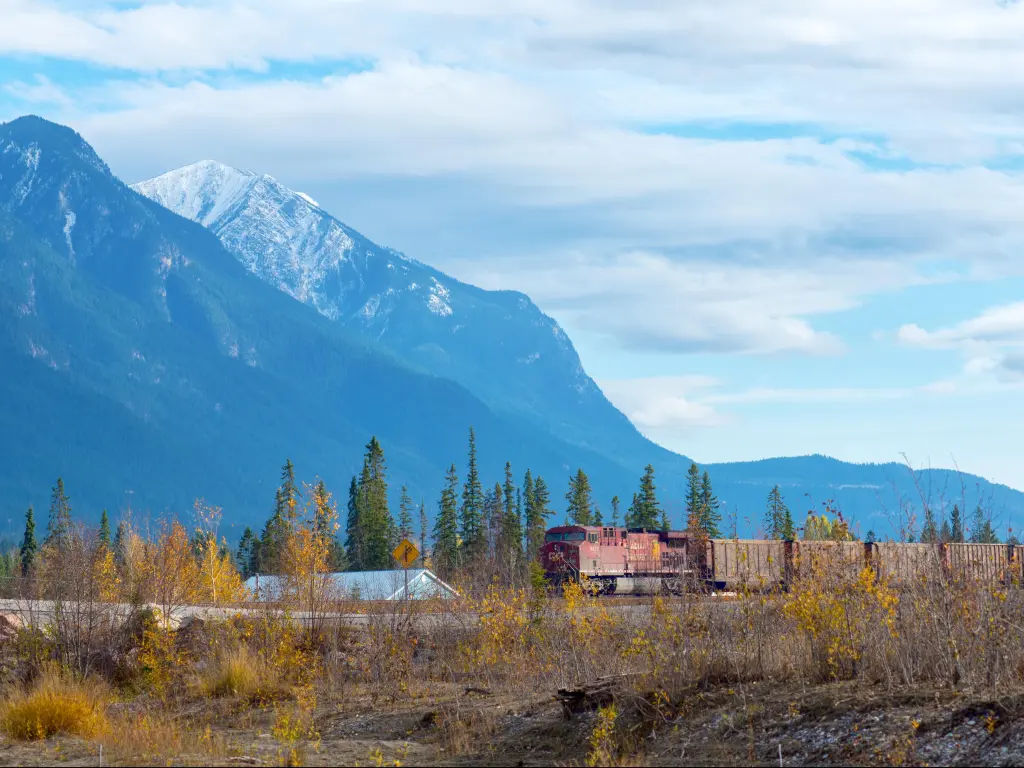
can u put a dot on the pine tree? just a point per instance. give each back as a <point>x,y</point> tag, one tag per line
<point>634,513</point>
<point>647,512</point>
<point>494,509</point>
<point>473,542</point>
<point>578,496</point>
<point>273,537</point>
<point>870,538</point>
<point>29,546</point>
<point>778,522</point>
<point>511,524</point>
<point>290,493</point>
<point>598,519</point>
<point>354,545</point>
<point>945,533</point>
<point>537,522</point>
<point>378,528</point>
<point>245,553</point>
<point>956,525</point>
<point>665,525</point>
<point>615,511</point>
<point>929,531</point>
<point>423,534</point>
<point>405,514</point>
<point>983,532</point>
<point>446,526</point>
<point>710,516</point>
<point>694,508</point>
<point>104,535</point>
<point>58,527</point>
<point>120,543</point>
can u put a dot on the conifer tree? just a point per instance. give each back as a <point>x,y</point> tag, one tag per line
<point>473,541</point>
<point>29,546</point>
<point>290,493</point>
<point>929,531</point>
<point>378,528</point>
<point>665,525</point>
<point>646,512</point>
<point>694,504</point>
<point>511,524</point>
<point>245,554</point>
<point>615,512</point>
<point>537,520</point>
<point>956,526</point>
<point>405,515</point>
<point>120,543</point>
<point>104,536</point>
<point>945,533</point>
<point>578,496</point>
<point>325,527</point>
<point>494,510</point>
<point>273,537</point>
<point>58,527</point>
<point>983,532</point>
<point>598,517</point>
<point>870,538</point>
<point>423,534</point>
<point>353,528</point>
<point>446,526</point>
<point>710,516</point>
<point>778,521</point>
<point>633,513</point>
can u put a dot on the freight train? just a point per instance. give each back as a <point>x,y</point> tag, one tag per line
<point>636,561</point>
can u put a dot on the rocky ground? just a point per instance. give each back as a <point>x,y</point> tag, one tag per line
<point>754,725</point>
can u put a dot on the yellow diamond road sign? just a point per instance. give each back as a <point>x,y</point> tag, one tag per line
<point>406,553</point>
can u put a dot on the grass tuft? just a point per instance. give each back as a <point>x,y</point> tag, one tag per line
<point>56,704</point>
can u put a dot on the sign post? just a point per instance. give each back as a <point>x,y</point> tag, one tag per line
<point>406,554</point>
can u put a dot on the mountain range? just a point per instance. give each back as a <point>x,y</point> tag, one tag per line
<point>181,338</point>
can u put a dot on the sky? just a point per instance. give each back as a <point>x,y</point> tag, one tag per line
<point>770,228</point>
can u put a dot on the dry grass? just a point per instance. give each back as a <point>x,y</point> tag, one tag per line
<point>55,704</point>
<point>239,673</point>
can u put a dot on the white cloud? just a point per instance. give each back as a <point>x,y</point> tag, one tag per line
<point>663,403</point>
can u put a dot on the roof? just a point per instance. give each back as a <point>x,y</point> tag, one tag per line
<point>366,585</point>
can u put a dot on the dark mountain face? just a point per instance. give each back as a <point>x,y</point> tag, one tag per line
<point>139,355</point>
<point>146,365</point>
<point>498,344</point>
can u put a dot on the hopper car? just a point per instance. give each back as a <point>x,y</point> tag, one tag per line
<point>638,561</point>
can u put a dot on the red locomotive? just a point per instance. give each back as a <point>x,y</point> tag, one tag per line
<point>616,560</point>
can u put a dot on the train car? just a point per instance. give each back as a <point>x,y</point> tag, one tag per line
<point>990,563</point>
<point>746,564</point>
<point>616,560</point>
<point>902,565</point>
<point>835,560</point>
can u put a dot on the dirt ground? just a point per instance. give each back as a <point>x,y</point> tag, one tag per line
<point>759,724</point>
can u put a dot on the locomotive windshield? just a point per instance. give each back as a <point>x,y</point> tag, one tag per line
<point>553,537</point>
<point>575,536</point>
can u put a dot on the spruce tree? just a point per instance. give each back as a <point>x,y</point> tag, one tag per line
<point>710,516</point>
<point>273,537</point>
<point>244,554</point>
<point>598,518</point>
<point>405,515</point>
<point>58,527</point>
<point>778,522</point>
<point>119,543</point>
<point>945,533</point>
<point>29,546</point>
<point>665,525</point>
<point>870,538</point>
<point>615,512</point>
<point>423,534</point>
<point>537,523</point>
<point>290,493</point>
<point>694,509</point>
<point>353,528</point>
<point>647,512</point>
<point>956,526</point>
<point>633,514</point>
<point>104,535</point>
<point>472,524</point>
<point>579,498</point>
<point>446,526</point>
<point>378,528</point>
<point>511,524</point>
<point>929,531</point>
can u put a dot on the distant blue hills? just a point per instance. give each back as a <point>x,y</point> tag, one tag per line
<point>149,360</point>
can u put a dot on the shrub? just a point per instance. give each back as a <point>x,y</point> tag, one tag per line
<point>56,704</point>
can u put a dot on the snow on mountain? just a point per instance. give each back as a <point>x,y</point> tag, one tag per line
<point>496,343</point>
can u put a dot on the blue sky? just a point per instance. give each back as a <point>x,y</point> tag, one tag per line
<point>770,228</point>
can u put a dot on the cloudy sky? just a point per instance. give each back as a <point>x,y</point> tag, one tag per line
<point>771,227</point>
